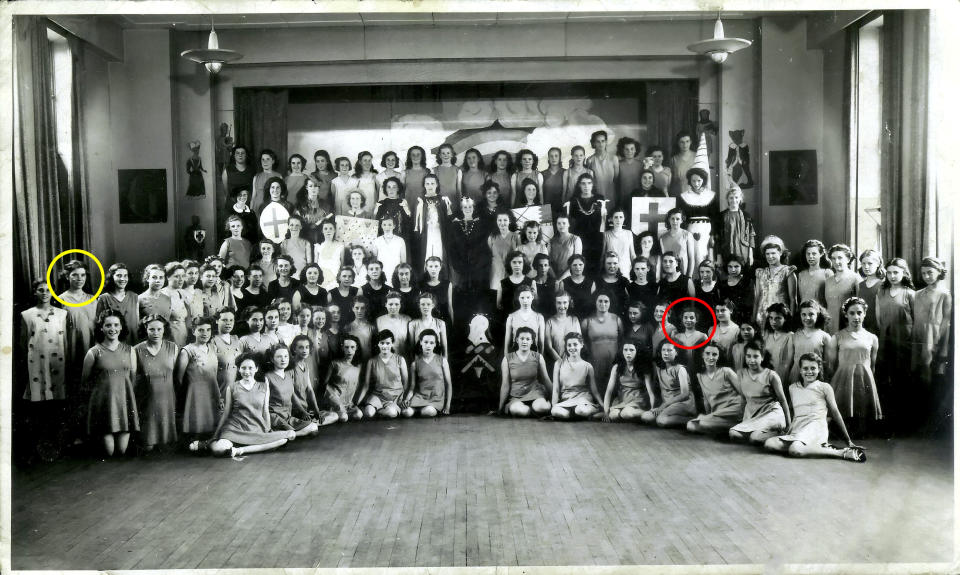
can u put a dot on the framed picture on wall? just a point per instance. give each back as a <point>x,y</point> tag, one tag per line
<point>143,196</point>
<point>793,178</point>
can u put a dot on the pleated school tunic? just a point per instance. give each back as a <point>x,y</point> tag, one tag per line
<point>156,398</point>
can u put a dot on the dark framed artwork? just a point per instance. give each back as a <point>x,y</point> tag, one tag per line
<point>143,196</point>
<point>793,178</point>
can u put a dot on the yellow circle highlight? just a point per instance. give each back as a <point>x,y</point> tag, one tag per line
<point>89,255</point>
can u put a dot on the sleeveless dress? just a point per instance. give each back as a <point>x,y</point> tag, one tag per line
<point>631,392</point>
<point>308,299</point>
<point>113,407</point>
<point>605,170</point>
<point>398,327</point>
<point>678,245</point>
<point>524,377</point>
<point>773,289</point>
<point>620,244</point>
<point>499,248</point>
<point>448,176</point>
<point>602,339</point>
<point>814,342</point>
<point>470,183</point>
<point>853,382</point>
<point>418,326</point>
<point>809,425</point>
<point>508,290</point>
<point>441,291</point>
<point>673,290</point>
<point>895,324</point>
<point>156,399</point>
<point>561,248</point>
<point>556,329</point>
<point>159,304</point>
<point>344,302</point>
<point>811,286</point>
<point>324,182</point>
<point>663,178</point>
<point>726,337</point>
<point>679,167</point>
<point>721,400</point>
<point>237,179</point>
<point>284,414</point>
<point>762,411</point>
<point>202,407</point>
<point>46,342</point>
<point>238,252</point>
<point>413,182</point>
<point>780,347</point>
<point>342,384</point>
<point>81,322</point>
<point>552,190</point>
<point>429,389</point>
<point>259,345</point>
<point>532,321</point>
<point>247,424</point>
<point>386,382</point>
<point>869,295</point>
<point>128,309</point>
<point>669,379</point>
<point>574,389</point>
<point>178,318</point>
<point>227,354</point>
<point>930,336</point>
<point>581,296</point>
<point>837,290</point>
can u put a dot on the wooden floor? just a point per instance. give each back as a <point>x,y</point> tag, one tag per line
<point>477,490</point>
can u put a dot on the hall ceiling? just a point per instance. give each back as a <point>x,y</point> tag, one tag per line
<point>202,21</point>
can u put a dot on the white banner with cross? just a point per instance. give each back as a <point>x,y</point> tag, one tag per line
<point>649,214</point>
<point>273,222</point>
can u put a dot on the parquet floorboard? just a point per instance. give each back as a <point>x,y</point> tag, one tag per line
<point>474,491</point>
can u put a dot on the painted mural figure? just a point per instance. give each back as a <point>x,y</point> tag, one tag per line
<point>195,171</point>
<point>738,161</point>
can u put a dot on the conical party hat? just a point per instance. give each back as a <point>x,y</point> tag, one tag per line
<point>702,159</point>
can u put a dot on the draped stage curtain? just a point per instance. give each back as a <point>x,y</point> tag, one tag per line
<point>908,193</point>
<point>49,212</point>
<point>671,108</point>
<point>261,122</point>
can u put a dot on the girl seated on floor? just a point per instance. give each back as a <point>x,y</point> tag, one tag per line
<point>431,388</point>
<point>765,412</point>
<point>723,406</point>
<point>630,386</point>
<point>677,406</point>
<point>245,423</point>
<point>524,380</point>
<point>813,401</point>
<point>343,381</point>
<point>385,382</point>
<point>575,389</point>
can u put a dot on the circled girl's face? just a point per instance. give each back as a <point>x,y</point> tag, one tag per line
<point>77,277</point>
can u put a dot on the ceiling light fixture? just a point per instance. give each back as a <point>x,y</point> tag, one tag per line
<point>718,47</point>
<point>213,57</point>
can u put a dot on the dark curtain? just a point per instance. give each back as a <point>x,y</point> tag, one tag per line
<point>908,194</point>
<point>671,108</point>
<point>43,216</point>
<point>261,122</point>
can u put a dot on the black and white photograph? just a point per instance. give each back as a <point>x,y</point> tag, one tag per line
<point>540,287</point>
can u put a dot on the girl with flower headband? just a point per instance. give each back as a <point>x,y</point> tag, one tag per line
<point>853,354</point>
<point>776,282</point>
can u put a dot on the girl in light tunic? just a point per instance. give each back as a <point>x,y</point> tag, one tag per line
<point>677,405</point>
<point>812,401</point>
<point>524,381</point>
<point>386,382</point>
<point>765,412</point>
<point>723,405</point>
<point>575,389</point>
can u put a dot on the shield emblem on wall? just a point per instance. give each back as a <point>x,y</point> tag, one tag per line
<point>273,222</point>
<point>199,236</point>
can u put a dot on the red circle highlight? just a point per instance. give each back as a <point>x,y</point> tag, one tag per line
<point>663,323</point>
